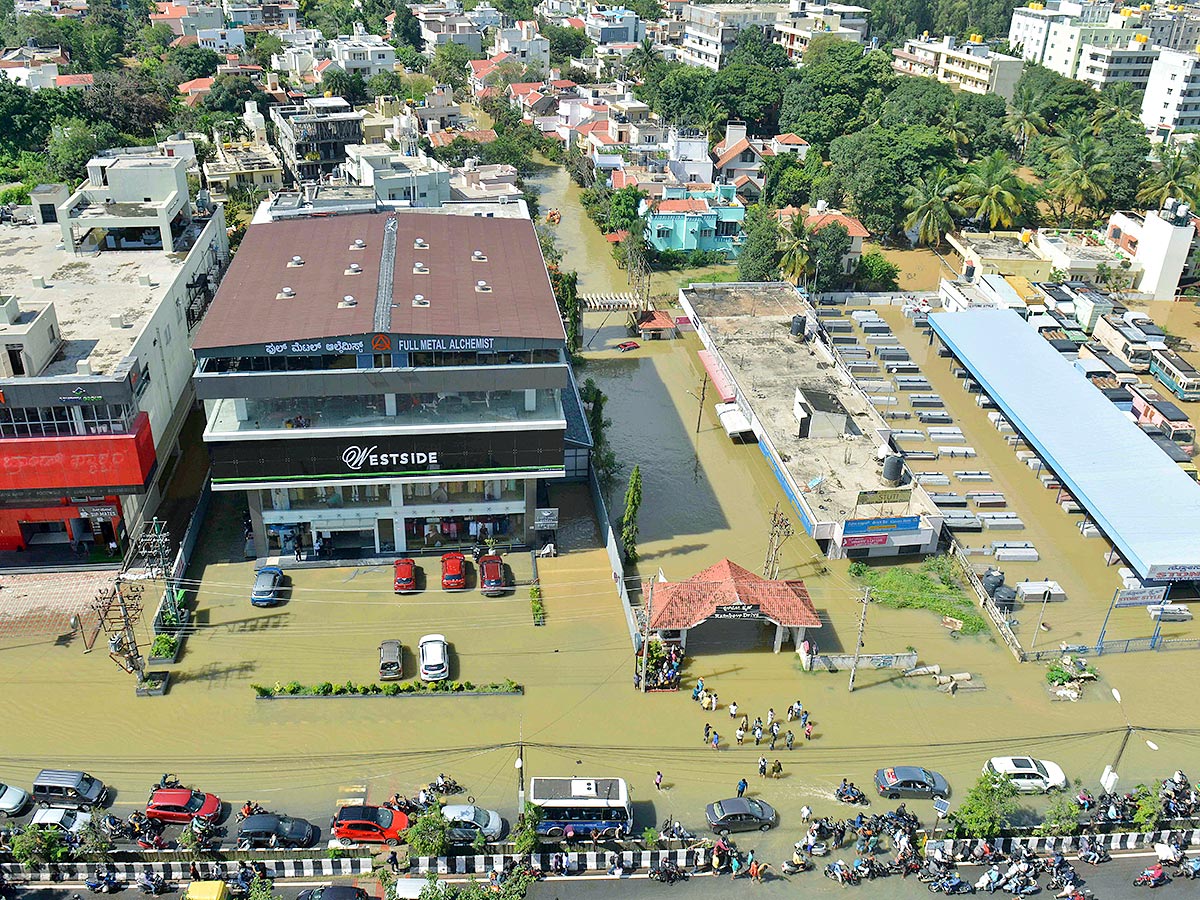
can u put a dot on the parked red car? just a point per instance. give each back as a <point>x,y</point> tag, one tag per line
<point>182,805</point>
<point>491,575</point>
<point>454,572</point>
<point>368,825</point>
<point>406,576</point>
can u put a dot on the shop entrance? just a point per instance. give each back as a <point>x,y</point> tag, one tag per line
<point>346,544</point>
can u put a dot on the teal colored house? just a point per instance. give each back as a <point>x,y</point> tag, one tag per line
<point>709,219</point>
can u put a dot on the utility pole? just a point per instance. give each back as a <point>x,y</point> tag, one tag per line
<point>646,634</point>
<point>703,392</point>
<point>781,530</point>
<point>118,624</point>
<point>153,546</point>
<point>520,764</point>
<point>862,626</point>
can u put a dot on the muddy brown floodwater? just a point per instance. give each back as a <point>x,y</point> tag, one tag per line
<point>705,498</point>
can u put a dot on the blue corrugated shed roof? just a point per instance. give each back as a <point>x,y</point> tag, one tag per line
<point>1144,502</point>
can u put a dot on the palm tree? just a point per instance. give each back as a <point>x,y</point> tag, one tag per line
<point>958,130</point>
<point>644,58</point>
<point>1067,135</point>
<point>992,192</point>
<point>796,261</point>
<point>1081,179</point>
<point>932,207</point>
<point>1176,175</point>
<point>1119,102</point>
<point>1025,120</point>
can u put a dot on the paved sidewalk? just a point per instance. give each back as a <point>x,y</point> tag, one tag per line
<point>40,604</point>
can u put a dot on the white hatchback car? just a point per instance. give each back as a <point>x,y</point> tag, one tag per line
<point>435,657</point>
<point>1031,776</point>
<point>69,820</point>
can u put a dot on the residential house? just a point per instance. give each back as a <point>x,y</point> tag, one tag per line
<point>710,30</point>
<point>686,220</point>
<point>613,25</point>
<point>312,136</point>
<point>476,136</point>
<point>445,22</point>
<point>439,111</point>
<point>822,217</point>
<point>195,90</point>
<point>1128,63</point>
<point>222,40</point>
<point>381,119</point>
<point>250,164</point>
<point>491,182</point>
<point>483,74</point>
<point>268,13</point>
<point>362,54</point>
<point>803,21</point>
<point>399,179</point>
<point>971,66</point>
<point>554,10</point>
<point>739,157</point>
<point>187,19</point>
<point>484,16</point>
<point>524,44</point>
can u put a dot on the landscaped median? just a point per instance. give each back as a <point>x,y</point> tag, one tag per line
<point>173,866</point>
<point>294,690</point>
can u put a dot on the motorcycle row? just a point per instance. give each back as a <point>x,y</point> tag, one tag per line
<point>1179,801</point>
<point>442,786</point>
<point>105,881</point>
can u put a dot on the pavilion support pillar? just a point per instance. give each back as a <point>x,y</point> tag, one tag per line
<point>683,638</point>
<point>780,631</point>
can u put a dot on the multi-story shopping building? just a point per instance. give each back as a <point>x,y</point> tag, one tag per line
<point>388,382</point>
<point>312,136</point>
<point>97,306</point>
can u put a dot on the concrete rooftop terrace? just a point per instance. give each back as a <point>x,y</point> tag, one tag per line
<point>86,291</point>
<point>750,327</point>
<point>1145,503</point>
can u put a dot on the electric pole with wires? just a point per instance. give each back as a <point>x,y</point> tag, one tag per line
<point>781,530</point>
<point>862,626</point>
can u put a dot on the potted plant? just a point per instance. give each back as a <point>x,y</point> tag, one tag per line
<point>165,648</point>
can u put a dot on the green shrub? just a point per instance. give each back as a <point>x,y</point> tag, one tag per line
<point>261,691</point>
<point>1148,808</point>
<point>428,834</point>
<point>985,809</point>
<point>524,835</point>
<point>391,689</point>
<point>325,688</point>
<point>293,687</point>
<point>650,837</point>
<point>164,646</point>
<point>1061,818</point>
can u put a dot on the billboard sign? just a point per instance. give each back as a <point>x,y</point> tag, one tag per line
<point>1182,572</point>
<point>864,540</point>
<point>889,495</point>
<point>870,526</point>
<point>1140,597</point>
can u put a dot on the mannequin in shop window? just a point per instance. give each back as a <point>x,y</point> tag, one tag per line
<point>440,495</point>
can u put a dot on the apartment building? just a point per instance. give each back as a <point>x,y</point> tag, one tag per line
<point>1129,63</point>
<point>970,66</point>
<point>1172,98</point>
<point>803,21</point>
<point>445,22</point>
<point>710,31</point>
<point>523,44</point>
<point>312,136</point>
<point>613,25</point>
<point>1061,35</point>
<point>362,54</point>
<point>186,19</point>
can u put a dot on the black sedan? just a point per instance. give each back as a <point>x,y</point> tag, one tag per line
<point>740,814</point>
<point>334,892</point>
<point>910,781</point>
<point>269,830</point>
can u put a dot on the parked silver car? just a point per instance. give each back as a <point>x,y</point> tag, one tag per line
<point>435,657</point>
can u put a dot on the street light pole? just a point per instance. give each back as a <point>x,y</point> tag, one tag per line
<point>520,767</point>
<point>700,410</point>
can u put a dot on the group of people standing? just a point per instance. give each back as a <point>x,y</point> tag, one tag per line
<point>768,730</point>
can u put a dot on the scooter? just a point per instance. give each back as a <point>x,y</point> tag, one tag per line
<point>990,880</point>
<point>841,873</point>
<point>1151,879</point>
<point>151,883</point>
<point>668,873</point>
<point>950,885</point>
<point>167,782</point>
<point>117,829</point>
<point>151,841</point>
<point>446,786</point>
<point>1189,868</point>
<point>102,883</point>
<point>799,861</point>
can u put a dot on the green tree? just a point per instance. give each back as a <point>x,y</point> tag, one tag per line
<point>932,209</point>
<point>623,208</point>
<point>101,48</point>
<point>1147,808</point>
<point>387,84</point>
<point>230,92</point>
<point>153,40</point>
<point>38,845</point>
<point>406,30</point>
<point>449,65</point>
<point>828,247</point>
<point>647,10</point>
<point>836,92</point>
<point>1081,179</point>
<point>1061,818</point>
<point>644,59</point>
<point>428,833</point>
<point>1053,96</point>
<point>1120,102</point>
<point>875,272</point>
<point>1025,120</point>
<point>916,101</point>
<point>350,88</point>
<point>73,144</point>
<point>754,48</point>
<point>795,261</point>
<point>992,192</point>
<point>759,259</point>
<point>985,809</point>
<point>679,93</point>
<point>1127,150</point>
<point>629,517</point>
<point>261,889</point>
<point>412,60</point>
<point>751,94</point>
<point>524,836</point>
<point>1174,175</point>
<point>195,61</point>
<point>565,43</point>
<point>265,46</point>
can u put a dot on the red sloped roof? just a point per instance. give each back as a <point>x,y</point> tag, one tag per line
<point>791,138</point>
<point>685,604</point>
<point>817,221</point>
<point>655,320</point>
<point>196,85</point>
<point>729,154</point>
<point>74,80</point>
<point>443,138</point>
<point>575,22</point>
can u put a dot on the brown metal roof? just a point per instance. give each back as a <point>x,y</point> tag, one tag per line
<point>519,304</point>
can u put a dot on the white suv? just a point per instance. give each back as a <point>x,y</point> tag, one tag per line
<point>435,657</point>
<point>68,820</point>
<point>1031,776</point>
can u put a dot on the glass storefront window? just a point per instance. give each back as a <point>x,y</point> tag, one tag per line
<point>331,497</point>
<point>462,531</point>
<point>428,493</point>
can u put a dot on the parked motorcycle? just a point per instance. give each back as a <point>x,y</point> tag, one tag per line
<point>102,883</point>
<point>951,885</point>
<point>445,786</point>
<point>667,873</point>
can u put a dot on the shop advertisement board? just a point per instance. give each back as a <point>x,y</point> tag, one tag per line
<point>1181,572</point>
<point>870,526</point>
<point>737,611</point>
<point>887,495</point>
<point>1140,597</point>
<point>864,540</point>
